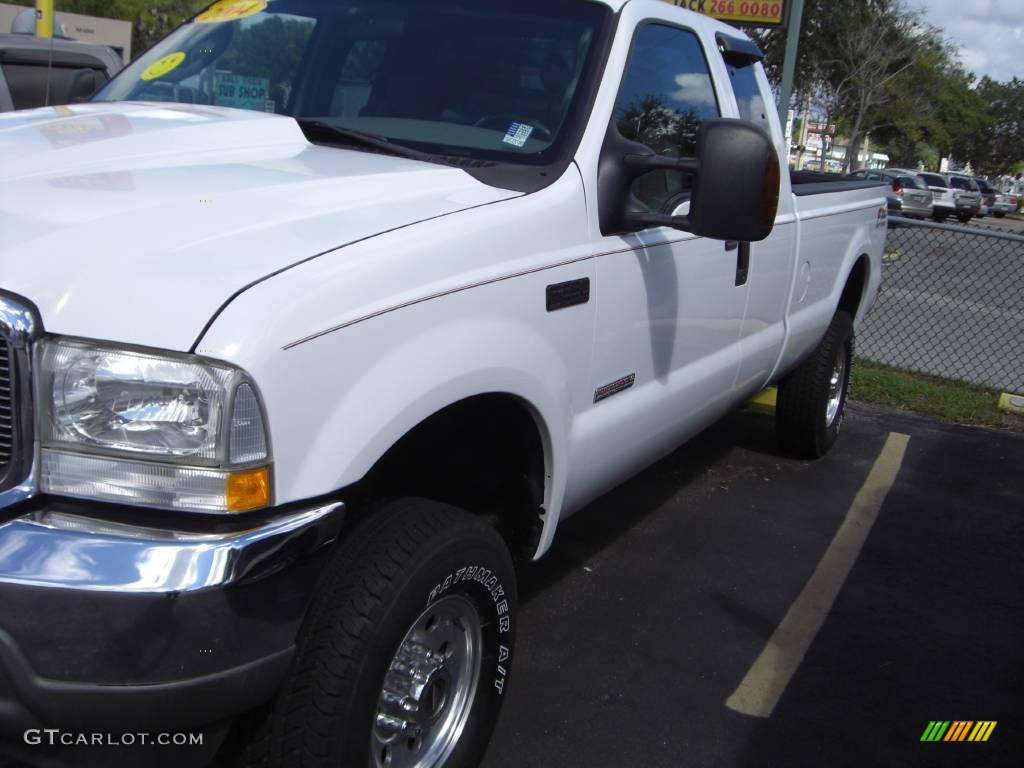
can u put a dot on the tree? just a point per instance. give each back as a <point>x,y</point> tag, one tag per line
<point>933,112</point>
<point>1001,144</point>
<point>876,67</point>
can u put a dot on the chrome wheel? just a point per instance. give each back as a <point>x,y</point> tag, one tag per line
<point>836,387</point>
<point>429,687</point>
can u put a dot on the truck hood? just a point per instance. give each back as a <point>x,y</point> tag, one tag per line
<point>136,222</point>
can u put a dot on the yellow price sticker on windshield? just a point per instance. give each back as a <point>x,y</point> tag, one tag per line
<point>229,10</point>
<point>161,67</point>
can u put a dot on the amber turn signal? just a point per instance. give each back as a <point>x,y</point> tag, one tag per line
<point>248,490</point>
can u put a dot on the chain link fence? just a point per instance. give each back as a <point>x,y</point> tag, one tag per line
<point>951,304</point>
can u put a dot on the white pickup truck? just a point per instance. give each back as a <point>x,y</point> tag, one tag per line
<point>322,314</point>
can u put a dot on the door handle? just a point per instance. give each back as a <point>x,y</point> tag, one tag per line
<point>742,264</point>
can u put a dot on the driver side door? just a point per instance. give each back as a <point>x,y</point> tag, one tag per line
<point>670,305</point>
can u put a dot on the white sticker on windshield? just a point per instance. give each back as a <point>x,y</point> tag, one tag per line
<point>517,134</point>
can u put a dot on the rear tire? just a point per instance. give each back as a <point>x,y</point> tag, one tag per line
<point>964,218</point>
<point>811,400</point>
<point>407,646</point>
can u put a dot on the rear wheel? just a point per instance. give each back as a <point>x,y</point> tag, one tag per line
<point>406,650</point>
<point>964,217</point>
<point>811,400</point>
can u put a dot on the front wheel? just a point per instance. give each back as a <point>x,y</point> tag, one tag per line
<point>405,654</point>
<point>964,217</point>
<point>811,400</point>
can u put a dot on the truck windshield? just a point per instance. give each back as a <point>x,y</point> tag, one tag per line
<point>485,79</point>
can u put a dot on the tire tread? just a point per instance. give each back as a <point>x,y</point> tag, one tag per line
<point>803,393</point>
<point>297,729</point>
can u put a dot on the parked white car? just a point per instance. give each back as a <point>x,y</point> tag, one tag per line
<point>299,352</point>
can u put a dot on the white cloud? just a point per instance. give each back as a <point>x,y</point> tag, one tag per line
<point>694,89</point>
<point>990,33</point>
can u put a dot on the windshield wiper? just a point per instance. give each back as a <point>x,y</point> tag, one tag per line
<point>350,137</point>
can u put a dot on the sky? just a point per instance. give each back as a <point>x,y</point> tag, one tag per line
<point>990,33</point>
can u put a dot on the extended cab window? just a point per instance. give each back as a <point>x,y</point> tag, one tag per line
<point>666,93</point>
<point>749,97</point>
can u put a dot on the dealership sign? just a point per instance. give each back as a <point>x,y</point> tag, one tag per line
<point>754,13</point>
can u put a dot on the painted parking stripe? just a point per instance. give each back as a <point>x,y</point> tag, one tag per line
<point>760,690</point>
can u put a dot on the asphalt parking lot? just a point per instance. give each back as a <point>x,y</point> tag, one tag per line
<point>1007,224</point>
<point>656,602</point>
<point>660,603</point>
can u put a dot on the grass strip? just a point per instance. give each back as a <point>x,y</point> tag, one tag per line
<point>926,395</point>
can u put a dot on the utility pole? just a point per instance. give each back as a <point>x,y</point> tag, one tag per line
<point>796,16</point>
<point>44,18</point>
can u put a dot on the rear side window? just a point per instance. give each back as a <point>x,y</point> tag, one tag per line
<point>933,180</point>
<point>666,93</point>
<point>34,85</point>
<point>749,97</point>
<point>959,183</point>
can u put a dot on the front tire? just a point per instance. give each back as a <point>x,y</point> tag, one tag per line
<point>406,650</point>
<point>811,400</point>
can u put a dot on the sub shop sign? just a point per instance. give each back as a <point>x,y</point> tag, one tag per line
<point>243,92</point>
<point>754,13</point>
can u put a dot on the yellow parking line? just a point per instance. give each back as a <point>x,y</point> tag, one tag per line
<point>769,675</point>
<point>765,399</point>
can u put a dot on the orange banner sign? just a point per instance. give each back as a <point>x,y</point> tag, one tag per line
<point>755,13</point>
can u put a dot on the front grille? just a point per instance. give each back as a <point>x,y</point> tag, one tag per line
<point>18,329</point>
<point>6,408</point>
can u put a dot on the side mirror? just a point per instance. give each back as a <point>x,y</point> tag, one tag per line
<point>735,193</point>
<point>84,83</point>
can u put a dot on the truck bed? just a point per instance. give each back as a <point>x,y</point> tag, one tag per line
<point>815,183</point>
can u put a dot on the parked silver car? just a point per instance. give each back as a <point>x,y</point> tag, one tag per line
<point>966,195</point>
<point>912,189</point>
<point>943,201</point>
<point>1006,202</point>
<point>907,187</point>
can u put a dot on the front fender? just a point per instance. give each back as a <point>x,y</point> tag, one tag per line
<point>443,362</point>
<point>354,350</point>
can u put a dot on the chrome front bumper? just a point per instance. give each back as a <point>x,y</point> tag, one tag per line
<point>62,550</point>
<point>109,625</point>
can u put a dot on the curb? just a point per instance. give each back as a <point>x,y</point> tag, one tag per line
<point>1011,403</point>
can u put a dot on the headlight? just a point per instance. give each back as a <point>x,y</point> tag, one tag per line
<point>159,430</point>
